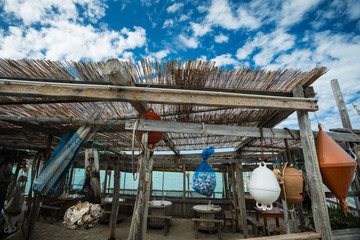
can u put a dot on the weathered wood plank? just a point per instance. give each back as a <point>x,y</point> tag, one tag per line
<point>313,175</point>
<point>293,236</point>
<point>191,128</point>
<point>154,95</point>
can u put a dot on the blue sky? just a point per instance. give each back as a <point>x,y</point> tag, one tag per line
<point>260,34</point>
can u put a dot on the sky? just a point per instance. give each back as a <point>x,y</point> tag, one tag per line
<point>272,34</point>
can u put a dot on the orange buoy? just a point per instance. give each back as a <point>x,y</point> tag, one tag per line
<point>293,187</point>
<point>336,166</point>
<point>153,137</point>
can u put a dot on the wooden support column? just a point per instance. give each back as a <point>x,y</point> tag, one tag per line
<point>115,202</point>
<point>241,199</point>
<point>105,179</point>
<point>71,177</point>
<point>313,175</point>
<point>139,219</point>
<point>235,199</point>
<point>184,181</point>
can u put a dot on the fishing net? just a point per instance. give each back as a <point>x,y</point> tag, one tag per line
<point>204,179</point>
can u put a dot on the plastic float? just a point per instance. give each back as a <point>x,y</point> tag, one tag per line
<point>154,137</point>
<point>264,187</point>
<point>336,166</point>
<point>293,187</point>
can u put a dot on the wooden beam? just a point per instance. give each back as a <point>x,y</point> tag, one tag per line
<point>210,129</point>
<point>313,175</point>
<point>154,95</point>
<point>118,75</point>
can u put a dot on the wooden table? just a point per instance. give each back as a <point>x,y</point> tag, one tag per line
<point>158,209</point>
<point>276,213</point>
<point>206,212</point>
<point>106,204</point>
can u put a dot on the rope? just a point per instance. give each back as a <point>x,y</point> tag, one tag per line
<point>103,134</point>
<point>203,133</point>
<point>316,118</point>
<point>262,145</point>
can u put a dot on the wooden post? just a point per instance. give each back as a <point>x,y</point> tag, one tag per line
<point>286,216</point>
<point>341,104</point>
<point>71,177</point>
<point>139,219</point>
<point>345,119</point>
<point>235,200</point>
<point>184,181</point>
<point>115,202</point>
<point>356,108</point>
<point>241,199</point>
<point>105,179</point>
<point>313,175</point>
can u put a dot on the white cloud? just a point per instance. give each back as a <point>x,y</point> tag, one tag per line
<point>158,55</point>
<point>173,8</point>
<point>225,59</point>
<point>221,38</point>
<point>293,11</point>
<point>168,23</point>
<point>184,17</point>
<point>269,45</point>
<point>220,13</point>
<point>200,29</point>
<point>189,42</point>
<point>43,11</point>
<point>339,53</point>
<point>353,9</point>
<point>69,41</point>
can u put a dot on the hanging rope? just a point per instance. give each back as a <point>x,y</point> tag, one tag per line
<point>316,118</point>
<point>262,146</point>
<point>203,133</point>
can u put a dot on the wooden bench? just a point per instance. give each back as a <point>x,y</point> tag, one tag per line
<point>167,222</point>
<point>54,210</point>
<point>229,220</point>
<point>218,223</point>
<point>292,236</point>
<point>256,226</point>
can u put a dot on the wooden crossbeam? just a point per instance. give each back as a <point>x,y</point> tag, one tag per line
<point>154,95</point>
<point>210,129</point>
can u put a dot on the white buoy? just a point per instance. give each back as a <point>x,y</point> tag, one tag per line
<point>264,187</point>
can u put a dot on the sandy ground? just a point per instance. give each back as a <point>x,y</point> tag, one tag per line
<point>181,229</point>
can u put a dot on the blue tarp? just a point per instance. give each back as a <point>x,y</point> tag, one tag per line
<point>59,163</point>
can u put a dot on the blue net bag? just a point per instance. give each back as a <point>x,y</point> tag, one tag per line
<point>204,179</point>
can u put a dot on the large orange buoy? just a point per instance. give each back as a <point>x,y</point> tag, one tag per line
<point>336,166</point>
<point>293,187</point>
<point>153,137</point>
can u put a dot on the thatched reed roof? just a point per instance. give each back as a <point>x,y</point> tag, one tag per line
<point>195,74</point>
